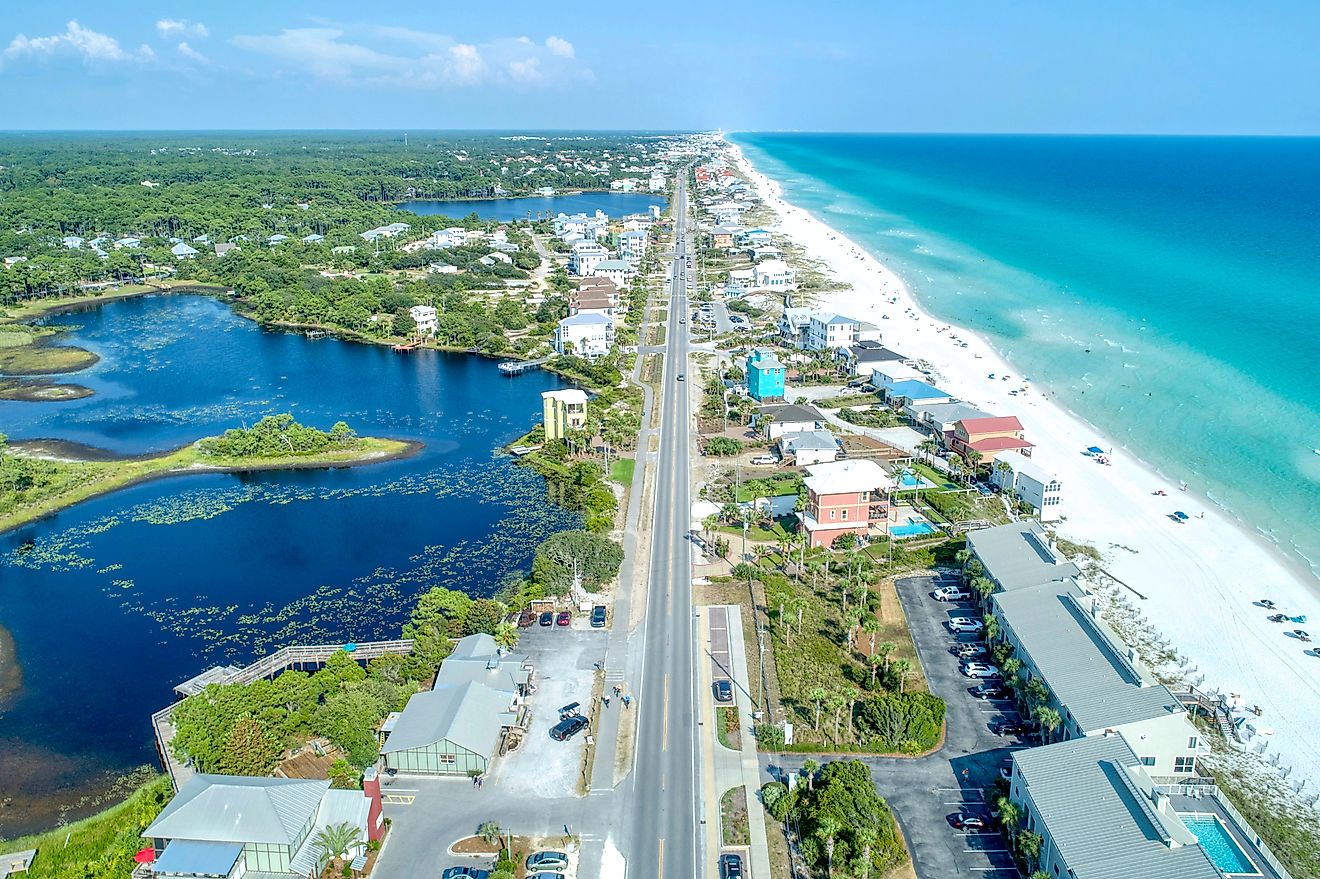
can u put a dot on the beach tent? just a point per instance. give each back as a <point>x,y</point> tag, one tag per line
<point>1095,450</point>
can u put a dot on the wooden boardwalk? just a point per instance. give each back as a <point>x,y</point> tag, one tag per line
<point>304,657</point>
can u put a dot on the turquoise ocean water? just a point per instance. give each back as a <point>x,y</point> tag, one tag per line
<point>1166,289</point>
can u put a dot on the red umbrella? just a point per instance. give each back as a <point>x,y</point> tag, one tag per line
<point>146,856</point>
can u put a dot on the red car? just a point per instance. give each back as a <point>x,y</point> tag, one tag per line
<point>564,618</point>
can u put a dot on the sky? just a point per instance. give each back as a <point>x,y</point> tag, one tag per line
<point>1156,66</point>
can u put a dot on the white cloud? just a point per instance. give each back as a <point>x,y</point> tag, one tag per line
<point>413,58</point>
<point>192,54</point>
<point>92,46</point>
<point>171,28</point>
<point>560,46</point>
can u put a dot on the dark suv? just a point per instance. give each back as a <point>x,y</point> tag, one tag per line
<point>731,866</point>
<point>598,617</point>
<point>568,727</point>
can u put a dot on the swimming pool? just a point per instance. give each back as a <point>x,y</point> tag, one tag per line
<point>911,528</point>
<point>1219,845</point>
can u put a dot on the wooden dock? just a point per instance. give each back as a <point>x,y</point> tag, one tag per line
<point>303,657</point>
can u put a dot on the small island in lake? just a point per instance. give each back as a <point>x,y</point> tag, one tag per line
<point>37,479</point>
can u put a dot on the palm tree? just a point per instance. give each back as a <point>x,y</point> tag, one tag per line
<point>903,668</point>
<point>828,829</point>
<point>809,768</point>
<point>798,604</point>
<point>1049,721</point>
<point>870,625</point>
<point>885,649</point>
<point>1029,844</point>
<point>991,626</point>
<point>818,695</point>
<point>836,703</point>
<point>874,660</point>
<point>1010,816</point>
<point>335,842</point>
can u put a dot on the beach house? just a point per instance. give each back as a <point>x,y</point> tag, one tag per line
<point>765,375</point>
<point>1019,555</point>
<point>229,826</point>
<point>939,418</point>
<point>562,411</point>
<point>774,274</point>
<point>775,421</point>
<point>183,251</point>
<point>1099,814</point>
<point>863,358</point>
<point>632,245</point>
<point>427,319</point>
<point>911,392</point>
<point>616,270</point>
<point>721,238</point>
<point>586,256</point>
<point>1024,479</point>
<point>988,437</point>
<point>808,448</point>
<point>586,335</point>
<point>595,300</point>
<point>793,326</point>
<point>831,331</point>
<point>844,497</point>
<point>1092,679</point>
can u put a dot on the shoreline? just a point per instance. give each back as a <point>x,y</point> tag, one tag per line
<point>1200,578</point>
<point>404,449</point>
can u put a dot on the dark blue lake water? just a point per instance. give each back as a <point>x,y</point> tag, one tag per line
<point>614,204</point>
<point>113,602</point>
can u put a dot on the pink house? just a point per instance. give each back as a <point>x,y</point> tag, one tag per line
<point>844,497</point>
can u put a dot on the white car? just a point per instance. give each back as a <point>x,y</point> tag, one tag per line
<point>951,593</point>
<point>763,460</point>
<point>979,670</point>
<point>965,625</point>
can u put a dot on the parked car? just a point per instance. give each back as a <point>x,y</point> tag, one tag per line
<point>723,690</point>
<point>546,875</point>
<point>990,690</point>
<point>465,873</point>
<point>731,866</point>
<point>951,593</point>
<point>968,821</point>
<point>565,617</point>
<point>547,618</point>
<point>967,650</point>
<point>568,727</point>
<point>1007,726</point>
<point>547,860</point>
<point>598,617</point>
<point>682,320</point>
<point>764,460</point>
<point>979,670</point>
<point>965,625</point>
<point>526,618</point>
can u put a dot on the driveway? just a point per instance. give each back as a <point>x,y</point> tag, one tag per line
<point>565,661</point>
<point>924,791</point>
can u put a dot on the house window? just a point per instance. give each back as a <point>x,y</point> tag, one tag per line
<point>1184,765</point>
<point>832,513</point>
<point>1192,742</point>
<point>1147,761</point>
<point>845,514</point>
<point>448,759</point>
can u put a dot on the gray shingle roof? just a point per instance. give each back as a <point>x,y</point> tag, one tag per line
<point>1018,555</point>
<point>809,440</point>
<point>789,413</point>
<point>233,808</point>
<point>1080,658</point>
<point>1098,807</point>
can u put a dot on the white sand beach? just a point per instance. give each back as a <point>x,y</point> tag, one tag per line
<point>1199,579</point>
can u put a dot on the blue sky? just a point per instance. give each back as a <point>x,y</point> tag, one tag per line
<point>1159,66</point>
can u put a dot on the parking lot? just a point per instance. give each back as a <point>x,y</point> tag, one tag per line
<point>565,660</point>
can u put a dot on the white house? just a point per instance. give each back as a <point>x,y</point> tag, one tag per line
<point>426,318</point>
<point>442,238</point>
<point>632,245</point>
<point>657,182</point>
<point>893,372</point>
<point>183,251</point>
<point>500,257</point>
<point>1029,482</point>
<point>793,327</point>
<point>831,331</point>
<point>786,418</point>
<point>775,274</point>
<point>73,242</point>
<point>314,238</point>
<point>809,447</point>
<point>441,268</point>
<point>616,270</point>
<point>586,256</point>
<point>586,335</point>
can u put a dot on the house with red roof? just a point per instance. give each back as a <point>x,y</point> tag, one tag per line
<point>988,436</point>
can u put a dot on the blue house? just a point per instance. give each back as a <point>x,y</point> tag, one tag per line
<point>765,375</point>
<point>914,393</point>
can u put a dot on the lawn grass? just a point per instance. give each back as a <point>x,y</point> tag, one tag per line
<point>621,471</point>
<point>77,481</point>
<point>760,533</point>
<point>775,485</point>
<point>99,847</point>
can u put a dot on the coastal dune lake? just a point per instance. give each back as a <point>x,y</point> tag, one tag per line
<point>504,210</point>
<point>113,602</point>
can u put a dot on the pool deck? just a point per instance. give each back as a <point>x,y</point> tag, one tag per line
<point>1207,805</point>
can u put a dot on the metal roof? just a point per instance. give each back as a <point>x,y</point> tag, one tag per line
<point>234,808</point>
<point>337,807</point>
<point>1018,555</point>
<point>470,715</point>
<point>915,390</point>
<point>808,440</point>
<point>1100,810</point>
<point>477,658</point>
<point>947,413</point>
<point>1080,658</point>
<point>852,475</point>
<point>189,857</point>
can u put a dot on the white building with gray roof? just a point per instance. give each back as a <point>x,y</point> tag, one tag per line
<point>1100,815</point>
<point>1096,683</point>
